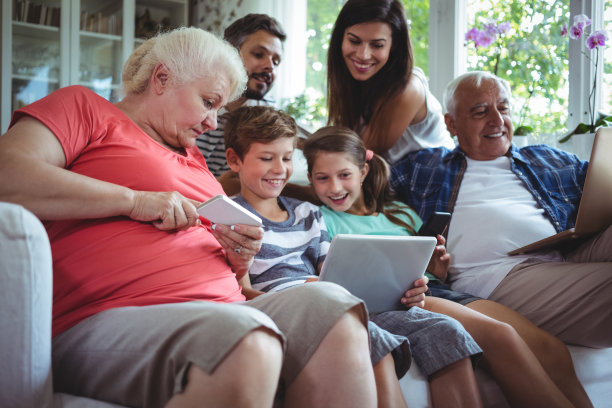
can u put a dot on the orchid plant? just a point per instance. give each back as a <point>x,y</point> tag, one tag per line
<point>595,42</point>
<point>493,32</point>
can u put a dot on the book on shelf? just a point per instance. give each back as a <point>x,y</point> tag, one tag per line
<point>36,13</point>
<point>100,23</point>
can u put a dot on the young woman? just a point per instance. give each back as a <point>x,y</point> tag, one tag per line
<point>532,367</point>
<point>373,87</point>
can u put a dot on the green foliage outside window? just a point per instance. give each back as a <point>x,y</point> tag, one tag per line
<point>533,58</point>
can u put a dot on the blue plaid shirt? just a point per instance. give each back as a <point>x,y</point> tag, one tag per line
<point>428,180</point>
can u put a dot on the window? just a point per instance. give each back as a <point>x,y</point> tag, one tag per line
<point>606,103</point>
<point>531,55</point>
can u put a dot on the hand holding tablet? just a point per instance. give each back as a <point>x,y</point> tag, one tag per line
<point>222,210</point>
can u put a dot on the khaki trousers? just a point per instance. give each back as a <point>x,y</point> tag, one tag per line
<point>573,299</point>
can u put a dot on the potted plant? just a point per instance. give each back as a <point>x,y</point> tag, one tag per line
<point>595,43</point>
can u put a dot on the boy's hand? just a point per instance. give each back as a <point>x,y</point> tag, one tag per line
<point>416,295</point>
<point>241,243</point>
<point>440,260</point>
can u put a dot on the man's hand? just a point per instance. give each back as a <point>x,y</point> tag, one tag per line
<point>440,260</point>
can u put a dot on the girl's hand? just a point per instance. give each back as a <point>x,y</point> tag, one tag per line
<point>416,295</point>
<point>241,243</point>
<point>440,260</point>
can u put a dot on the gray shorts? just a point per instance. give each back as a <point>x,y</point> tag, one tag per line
<point>436,340</point>
<point>139,356</point>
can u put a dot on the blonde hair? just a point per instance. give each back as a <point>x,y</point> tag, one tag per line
<point>188,53</point>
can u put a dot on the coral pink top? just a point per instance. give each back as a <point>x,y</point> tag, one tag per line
<point>113,262</point>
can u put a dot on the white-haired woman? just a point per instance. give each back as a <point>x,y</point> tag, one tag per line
<point>144,301</point>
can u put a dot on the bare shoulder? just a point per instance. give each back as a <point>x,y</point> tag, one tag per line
<point>413,94</point>
<point>410,105</point>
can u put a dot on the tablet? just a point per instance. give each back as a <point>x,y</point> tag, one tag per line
<point>223,210</point>
<point>377,268</point>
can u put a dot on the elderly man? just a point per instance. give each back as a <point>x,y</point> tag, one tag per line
<point>502,198</point>
<point>259,40</point>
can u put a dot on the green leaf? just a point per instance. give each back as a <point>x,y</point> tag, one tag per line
<point>604,120</point>
<point>523,131</point>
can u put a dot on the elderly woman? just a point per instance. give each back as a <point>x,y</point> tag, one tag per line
<point>146,307</point>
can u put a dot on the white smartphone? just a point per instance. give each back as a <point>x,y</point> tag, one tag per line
<point>223,210</point>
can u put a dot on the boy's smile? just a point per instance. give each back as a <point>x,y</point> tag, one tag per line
<point>266,168</point>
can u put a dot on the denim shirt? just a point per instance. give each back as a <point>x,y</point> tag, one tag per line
<point>428,180</point>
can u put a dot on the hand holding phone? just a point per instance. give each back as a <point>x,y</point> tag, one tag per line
<point>436,224</point>
<point>223,210</point>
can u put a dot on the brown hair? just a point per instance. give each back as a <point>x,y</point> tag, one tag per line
<point>376,190</point>
<point>237,33</point>
<point>256,124</point>
<point>353,103</point>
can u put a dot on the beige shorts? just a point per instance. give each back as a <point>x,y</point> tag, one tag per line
<point>138,356</point>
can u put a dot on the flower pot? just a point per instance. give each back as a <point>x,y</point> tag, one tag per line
<point>581,145</point>
<point>520,141</point>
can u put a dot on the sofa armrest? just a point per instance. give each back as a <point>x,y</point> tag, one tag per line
<point>25,309</point>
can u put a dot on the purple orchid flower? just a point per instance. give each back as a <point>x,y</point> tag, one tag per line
<point>564,30</point>
<point>491,29</point>
<point>473,35</point>
<point>487,36</point>
<point>485,39</point>
<point>597,39</point>
<point>575,32</point>
<point>582,21</point>
<point>503,28</point>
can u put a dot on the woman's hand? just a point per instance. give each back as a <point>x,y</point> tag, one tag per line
<point>241,243</point>
<point>440,260</point>
<point>165,210</point>
<point>416,295</point>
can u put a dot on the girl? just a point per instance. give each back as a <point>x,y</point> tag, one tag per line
<point>373,87</point>
<point>353,184</point>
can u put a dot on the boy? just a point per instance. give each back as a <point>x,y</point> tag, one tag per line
<point>259,145</point>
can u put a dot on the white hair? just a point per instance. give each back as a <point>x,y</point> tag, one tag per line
<point>474,77</point>
<point>189,53</point>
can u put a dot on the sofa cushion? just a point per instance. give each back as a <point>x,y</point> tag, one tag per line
<point>25,309</point>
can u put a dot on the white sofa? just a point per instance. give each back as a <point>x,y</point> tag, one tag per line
<point>25,331</point>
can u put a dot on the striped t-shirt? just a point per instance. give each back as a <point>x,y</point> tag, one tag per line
<point>291,250</point>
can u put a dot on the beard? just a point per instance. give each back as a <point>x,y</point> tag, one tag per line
<point>257,89</point>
